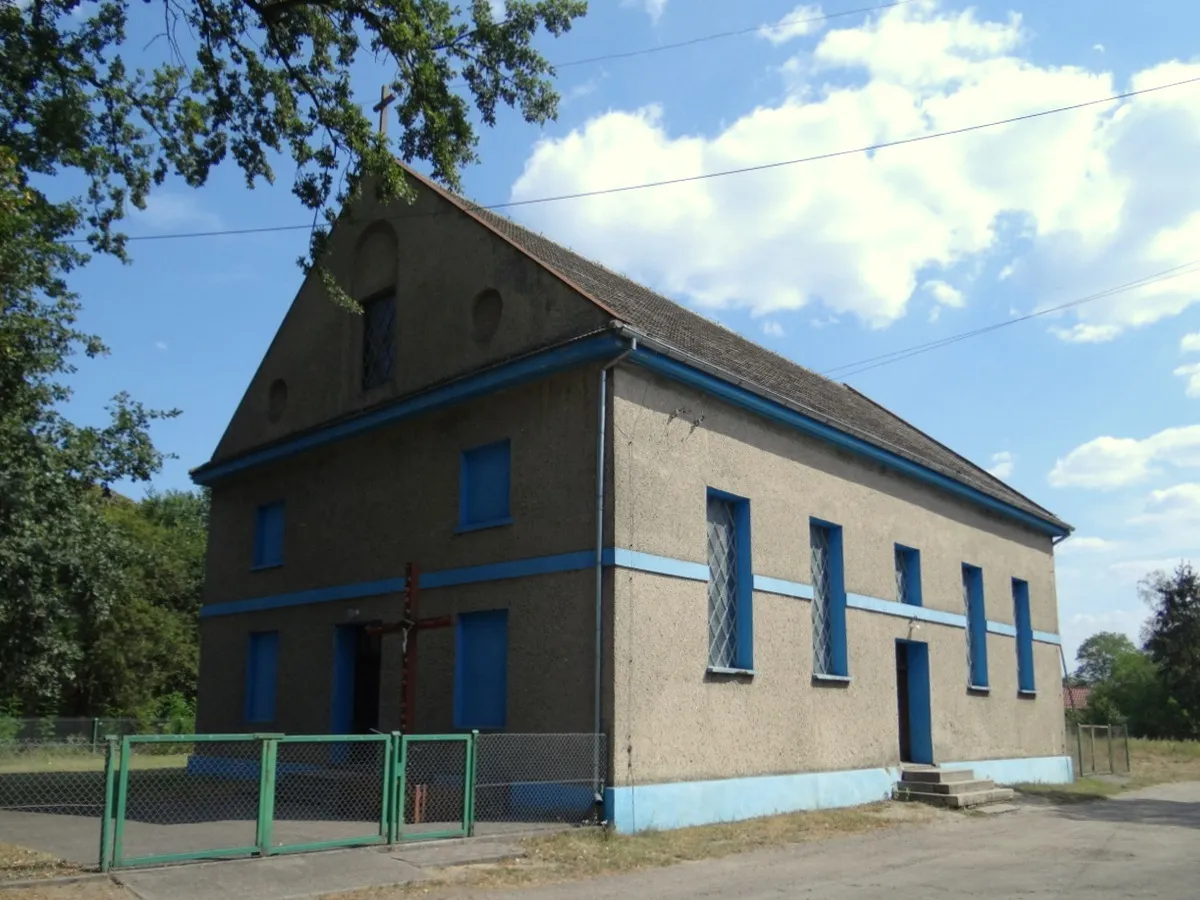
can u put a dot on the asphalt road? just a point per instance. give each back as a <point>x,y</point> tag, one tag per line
<point>1144,845</point>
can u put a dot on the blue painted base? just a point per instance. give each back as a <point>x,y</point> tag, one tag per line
<point>687,803</point>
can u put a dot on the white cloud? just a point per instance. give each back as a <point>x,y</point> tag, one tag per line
<point>1109,462</point>
<point>1002,464</point>
<point>1098,196</point>
<point>1173,507</point>
<point>1099,48</point>
<point>1082,333</point>
<point>1087,545</point>
<point>945,294</point>
<point>160,345</point>
<point>654,8</point>
<point>1192,373</point>
<point>1190,343</point>
<point>801,21</point>
<point>771,328</point>
<point>167,211</point>
<point>1132,571</point>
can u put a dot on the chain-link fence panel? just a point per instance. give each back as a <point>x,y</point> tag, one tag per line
<point>84,731</point>
<point>190,798</point>
<point>435,796</point>
<point>52,798</point>
<point>539,777</point>
<point>1119,738</point>
<point>330,792</point>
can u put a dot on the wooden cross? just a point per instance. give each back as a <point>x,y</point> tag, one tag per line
<point>386,98</point>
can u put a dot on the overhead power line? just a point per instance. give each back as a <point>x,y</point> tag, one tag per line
<point>874,362</point>
<point>703,39</point>
<point>686,179</point>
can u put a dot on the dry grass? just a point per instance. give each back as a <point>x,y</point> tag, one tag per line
<point>1151,763</point>
<point>21,863</point>
<point>85,890</point>
<point>59,761</point>
<point>590,853</point>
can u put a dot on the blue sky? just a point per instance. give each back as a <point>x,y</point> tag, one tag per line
<point>1087,411</point>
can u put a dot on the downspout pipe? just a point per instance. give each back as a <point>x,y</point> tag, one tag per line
<point>601,443</point>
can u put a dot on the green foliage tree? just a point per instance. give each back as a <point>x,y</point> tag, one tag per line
<point>252,79</point>
<point>1097,655</point>
<point>1173,642</point>
<point>1132,694</point>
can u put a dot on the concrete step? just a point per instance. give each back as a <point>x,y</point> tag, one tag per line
<point>937,776</point>
<point>997,809</point>
<point>947,787</point>
<point>955,801</point>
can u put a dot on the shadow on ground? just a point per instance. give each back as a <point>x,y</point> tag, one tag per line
<point>1132,811</point>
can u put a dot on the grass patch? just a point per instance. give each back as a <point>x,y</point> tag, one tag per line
<point>21,864</point>
<point>60,761</point>
<point>1151,763</point>
<point>589,853</point>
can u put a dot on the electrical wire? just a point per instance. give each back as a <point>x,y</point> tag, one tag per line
<point>727,34</point>
<point>686,179</point>
<point>875,362</point>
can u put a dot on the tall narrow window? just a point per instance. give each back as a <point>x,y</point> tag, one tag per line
<point>1026,683</point>
<point>379,339</point>
<point>268,536</point>
<point>977,662</point>
<point>261,663</point>
<point>908,575</point>
<point>830,657</point>
<point>481,670</point>
<point>730,585</point>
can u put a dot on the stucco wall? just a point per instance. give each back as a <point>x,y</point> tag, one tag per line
<point>550,652</point>
<point>358,510</point>
<point>674,444</point>
<point>439,261</point>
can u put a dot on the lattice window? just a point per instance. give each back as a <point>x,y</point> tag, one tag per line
<point>379,336</point>
<point>722,584</point>
<point>908,575</point>
<point>822,563</point>
<point>976,631</point>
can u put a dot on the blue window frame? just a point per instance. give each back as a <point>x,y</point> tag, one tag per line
<point>268,536</point>
<point>483,488</point>
<point>262,654</point>
<point>830,656</point>
<point>908,575</point>
<point>730,584</point>
<point>481,670</point>
<point>1026,683</point>
<point>977,661</point>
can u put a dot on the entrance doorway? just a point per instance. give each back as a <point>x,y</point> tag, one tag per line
<point>356,661</point>
<point>912,702</point>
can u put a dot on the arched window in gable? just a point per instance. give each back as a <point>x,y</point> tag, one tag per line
<point>374,286</point>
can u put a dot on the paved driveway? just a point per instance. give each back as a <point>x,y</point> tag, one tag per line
<point>1144,845</point>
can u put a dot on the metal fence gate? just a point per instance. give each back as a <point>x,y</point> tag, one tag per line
<point>436,790</point>
<point>1100,749</point>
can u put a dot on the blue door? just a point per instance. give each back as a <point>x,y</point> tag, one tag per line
<point>912,696</point>
<point>481,670</point>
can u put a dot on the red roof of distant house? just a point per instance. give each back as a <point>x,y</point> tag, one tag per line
<point>1076,697</point>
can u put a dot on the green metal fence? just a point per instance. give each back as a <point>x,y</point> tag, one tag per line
<point>155,799</point>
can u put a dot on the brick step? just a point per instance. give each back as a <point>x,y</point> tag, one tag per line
<point>956,801</point>
<point>937,776</point>
<point>947,787</point>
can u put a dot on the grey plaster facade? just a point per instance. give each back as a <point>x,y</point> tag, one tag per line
<point>358,508</point>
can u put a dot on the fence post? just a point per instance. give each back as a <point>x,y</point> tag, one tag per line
<point>122,796</point>
<point>111,761</point>
<point>1128,762</point>
<point>401,784</point>
<point>1112,769</point>
<point>95,733</point>
<point>469,799</point>
<point>385,820</point>
<point>266,795</point>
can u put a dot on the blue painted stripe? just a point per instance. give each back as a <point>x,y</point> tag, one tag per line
<point>586,559</point>
<point>688,803</point>
<point>529,368</point>
<point>519,568</point>
<point>768,585</point>
<point>659,565</point>
<point>749,400</point>
<point>905,610</point>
